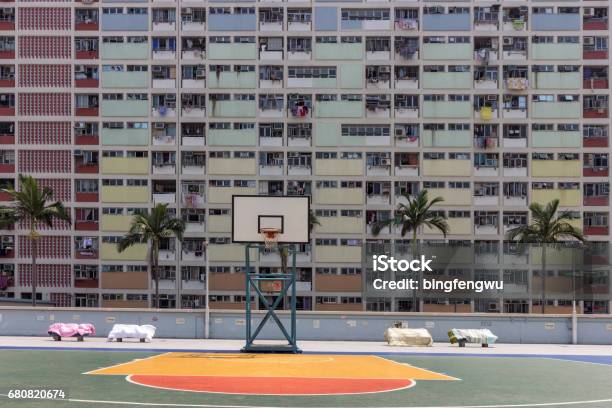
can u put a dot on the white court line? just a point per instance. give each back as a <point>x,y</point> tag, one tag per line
<point>412,384</point>
<point>128,362</point>
<point>153,404</point>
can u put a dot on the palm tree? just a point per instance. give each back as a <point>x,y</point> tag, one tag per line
<point>152,228</point>
<point>412,216</point>
<point>33,206</point>
<point>546,228</point>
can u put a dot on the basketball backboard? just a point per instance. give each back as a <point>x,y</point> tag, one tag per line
<point>253,213</point>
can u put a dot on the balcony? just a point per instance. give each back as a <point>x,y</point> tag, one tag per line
<point>558,51</point>
<point>447,22</point>
<point>556,110</point>
<point>232,137</point>
<point>232,80</point>
<point>595,171</point>
<point>557,80</point>
<point>123,79</point>
<point>447,109</point>
<point>556,168</point>
<point>124,51</point>
<point>567,139</point>
<point>129,108</point>
<point>439,51</point>
<point>234,166</point>
<point>109,252</point>
<point>233,108</point>
<point>339,109</point>
<point>340,196</point>
<point>339,51</point>
<point>125,136</point>
<point>339,167</point>
<point>447,138</point>
<point>124,165</point>
<point>234,51</point>
<point>447,80</point>
<point>447,168</point>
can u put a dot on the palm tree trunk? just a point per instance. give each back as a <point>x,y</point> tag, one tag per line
<point>155,273</point>
<point>34,268</point>
<point>415,297</point>
<point>544,278</point>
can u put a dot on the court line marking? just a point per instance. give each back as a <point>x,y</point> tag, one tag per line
<point>158,404</point>
<point>412,384</point>
<point>121,364</point>
<point>449,377</point>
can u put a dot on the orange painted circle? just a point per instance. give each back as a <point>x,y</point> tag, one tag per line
<point>271,385</point>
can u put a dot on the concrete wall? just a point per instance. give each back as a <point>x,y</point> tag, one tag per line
<point>358,326</point>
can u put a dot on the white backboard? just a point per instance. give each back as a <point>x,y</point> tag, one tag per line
<point>251,213</point>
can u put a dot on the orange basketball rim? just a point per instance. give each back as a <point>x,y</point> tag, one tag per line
<point>271,374</point>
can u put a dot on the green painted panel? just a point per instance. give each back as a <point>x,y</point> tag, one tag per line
<point>232,137</point>
<point>124,137</point>
<point>124,51</point>
<point>447,80</point>
<point>447,109</point>
<point>353,51</point>
<point>110,79</point>
<point>447,51</point>
<point>563,51</point>
<point>557,80</point>
<point>339,109</point>
<point>232,80</point>
<point>556,110</point>
<point>233,109</point>
<point>351,76</point>
<point>232,51</point>
<point>326,133</point>
<point>556,139</point>
<point>447,138</point>
<point>125,108</point>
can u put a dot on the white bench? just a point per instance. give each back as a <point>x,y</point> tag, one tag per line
<point>131,331</point>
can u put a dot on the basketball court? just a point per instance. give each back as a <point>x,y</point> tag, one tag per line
<point>99,374</point>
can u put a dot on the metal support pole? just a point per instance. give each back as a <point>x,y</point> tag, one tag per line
<point>247,275</point>
<point>574,323</point>
<point>207,294</point>
<point>293,300</point>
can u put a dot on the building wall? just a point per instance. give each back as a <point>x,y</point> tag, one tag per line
<point>141,100</point>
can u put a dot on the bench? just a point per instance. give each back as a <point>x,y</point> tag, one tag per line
<point>59,330</point>
<point>478,336</point>
<point>131,331</point>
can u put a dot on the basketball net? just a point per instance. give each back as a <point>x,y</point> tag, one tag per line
<point>270,236</point>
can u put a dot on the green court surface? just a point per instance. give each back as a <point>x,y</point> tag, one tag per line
<point>483,382</point>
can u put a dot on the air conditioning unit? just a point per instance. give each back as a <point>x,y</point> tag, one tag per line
<point>187,10</point>
<point>160,125</point>
<point>157,68</point>
<point>170,97</point>
<point>385,162</point>
<point>79,125</point>
<point>78,153</point>
<point>400,132</point>
<point>493,306</point>
<point>508,40</point>
<point>491,97</point>
<point>589,40</point>
<point>202,277</point>
<point>79,69</point>
<point>589,11</point>
<point>200,73</point>
<point>384,69</point>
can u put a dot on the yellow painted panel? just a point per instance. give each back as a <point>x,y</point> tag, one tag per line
<point>108,252</point>
<point>219,223</point>
<point>115,222</point>
<point>223,195</point>
<point>232,166</point>
<point>124,165</point>
<point>124,194</point>
<point>567,198</point>
<point>350,254</point>
<point>340,225</point>
<point>230,253</point>
<point>556,168</point>
<point>449,168</point>
<point>338,167</point>
<point>452,196</point>
<point>340,196</point>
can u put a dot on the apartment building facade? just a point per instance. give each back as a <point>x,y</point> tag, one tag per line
<point>119,105</point>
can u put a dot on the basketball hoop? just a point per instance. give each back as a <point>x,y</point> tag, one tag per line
<point>270,236</point>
